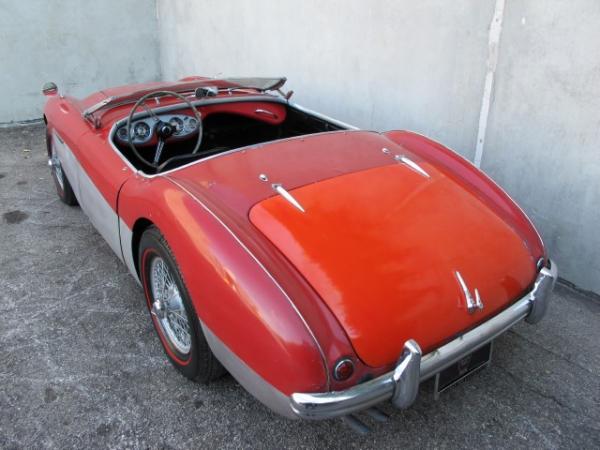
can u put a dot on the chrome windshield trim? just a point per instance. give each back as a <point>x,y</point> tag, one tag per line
<point>256,84</point>
<point>326,405</point>
<point>101,104</point>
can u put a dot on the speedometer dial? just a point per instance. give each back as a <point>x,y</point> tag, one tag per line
<point>141,131</point>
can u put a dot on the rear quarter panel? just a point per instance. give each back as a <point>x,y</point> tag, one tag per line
<point>476,181</point>
<point>233,295</point>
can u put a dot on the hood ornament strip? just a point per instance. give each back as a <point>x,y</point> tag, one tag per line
<point>473,303</point>
<point>289,197</point>
<point>413,165</point>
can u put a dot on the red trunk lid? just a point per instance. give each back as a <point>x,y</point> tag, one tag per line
<point>382,247</point>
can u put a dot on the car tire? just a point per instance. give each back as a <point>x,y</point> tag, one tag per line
<point>63,186</point>
<point>168,302</point>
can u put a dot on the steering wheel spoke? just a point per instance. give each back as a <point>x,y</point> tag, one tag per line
<point>159,149</point>
<point>150,112</point>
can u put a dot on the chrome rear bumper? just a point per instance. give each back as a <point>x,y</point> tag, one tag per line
<point>402,384</point>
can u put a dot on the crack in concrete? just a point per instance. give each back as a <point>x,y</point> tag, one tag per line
<point>551,352</point>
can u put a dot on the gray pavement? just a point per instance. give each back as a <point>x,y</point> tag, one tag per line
<point>80,365</point>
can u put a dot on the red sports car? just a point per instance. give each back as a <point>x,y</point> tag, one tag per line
<point>327,268</point>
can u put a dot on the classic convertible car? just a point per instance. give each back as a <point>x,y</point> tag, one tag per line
<point>327,268</point>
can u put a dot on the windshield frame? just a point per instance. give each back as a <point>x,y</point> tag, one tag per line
<point>94,113</point>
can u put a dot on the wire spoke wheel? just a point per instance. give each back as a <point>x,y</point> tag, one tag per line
<point>57,169</point>
<point>173,313</point>
<point>168,307</point>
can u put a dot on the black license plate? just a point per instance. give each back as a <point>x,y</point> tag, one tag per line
<point>463,368</point>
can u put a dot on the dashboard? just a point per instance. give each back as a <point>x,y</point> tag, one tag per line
<point>142,130</point>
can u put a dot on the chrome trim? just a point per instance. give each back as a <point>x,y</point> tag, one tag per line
<point>473,304</point>
<point>541,291</point>
<point>264,269</point>
<point>318,115</point>
<point>266,112</point>
<point>337,366</point>
<point>406,375</point>
<point>402,383</point>
<point>413,165</point>
<point>247,377</point>
<point>289,197</point>
<point>540,263</point>
<point>478,301</point>
<point>49,88</point>
<point>95,107</point>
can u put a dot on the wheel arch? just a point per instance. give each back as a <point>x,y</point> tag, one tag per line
<point>140,225</point>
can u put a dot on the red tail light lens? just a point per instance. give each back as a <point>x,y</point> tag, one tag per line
<point>343,369</point>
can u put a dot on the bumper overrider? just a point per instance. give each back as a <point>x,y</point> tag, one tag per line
<point>402,384</point>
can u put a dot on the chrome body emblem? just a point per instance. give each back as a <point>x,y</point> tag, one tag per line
<point>473,302</point>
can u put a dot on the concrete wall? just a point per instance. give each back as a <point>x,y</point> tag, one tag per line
<point>392,64</point>
<point>543,140</point>
<point>379,64</point>
<point>83,46</point>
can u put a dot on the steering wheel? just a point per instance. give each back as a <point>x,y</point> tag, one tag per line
<point>162,129</point>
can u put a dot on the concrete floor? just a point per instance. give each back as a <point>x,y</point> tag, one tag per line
<point>81,366</point>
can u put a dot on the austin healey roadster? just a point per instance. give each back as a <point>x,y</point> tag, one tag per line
<point>328,269</point>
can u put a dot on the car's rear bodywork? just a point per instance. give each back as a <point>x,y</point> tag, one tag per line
<point>310,249</point>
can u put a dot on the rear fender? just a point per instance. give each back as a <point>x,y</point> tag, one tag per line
<point>476,181</point>
<point>235,298</point>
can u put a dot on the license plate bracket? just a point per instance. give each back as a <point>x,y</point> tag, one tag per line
<point>466,366</point>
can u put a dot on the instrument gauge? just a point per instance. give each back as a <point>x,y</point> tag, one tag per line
<point>177,124</point>
<point>122,133</point>
<point>191,125</point>
<point>141,131</point>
